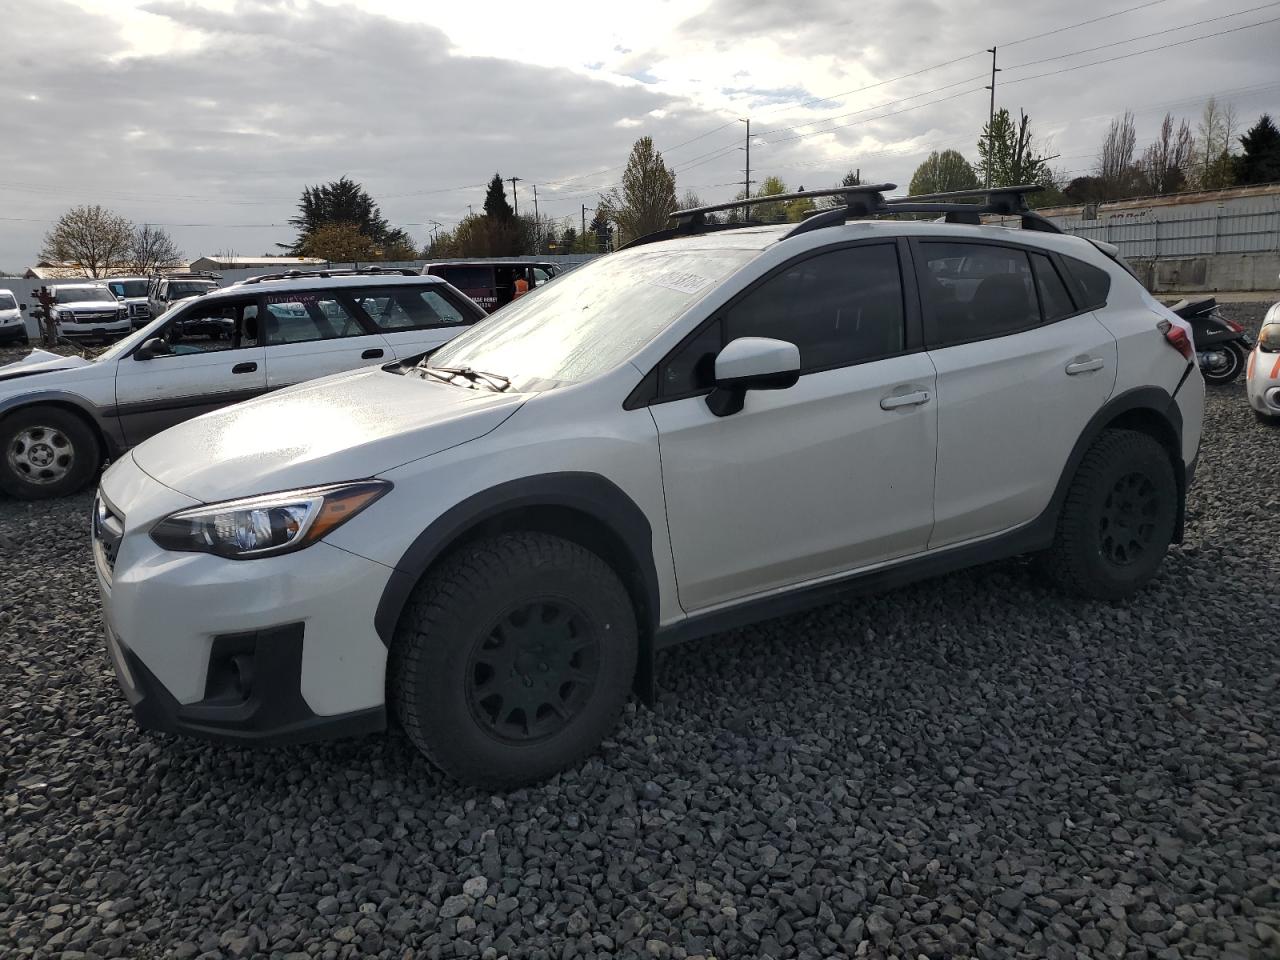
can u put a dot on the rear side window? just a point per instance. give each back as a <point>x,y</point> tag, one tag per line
<point>1055,301</point>
<point>839,308</point>
<point>1092,282</point>
<point>466,278</point>
<point>409,308</point>
<point>305,317</point>
<point>974,291</point>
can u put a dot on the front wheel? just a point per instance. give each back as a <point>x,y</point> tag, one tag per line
<point>46,452</point>
<point>513,659</point>
<point>1224,364</point>
<point>1118,518</point>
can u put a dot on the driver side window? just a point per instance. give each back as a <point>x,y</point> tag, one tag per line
<point>211,327</point>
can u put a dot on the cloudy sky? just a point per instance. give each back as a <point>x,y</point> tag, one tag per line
<point>209,116</point>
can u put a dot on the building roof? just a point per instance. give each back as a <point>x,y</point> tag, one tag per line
<point>66,270</point>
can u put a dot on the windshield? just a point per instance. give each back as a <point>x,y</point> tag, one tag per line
<point>128,288</point>
<point>592,319</point>
<point>179,290</point>
<point>7,302</point>
<point>82,294</point>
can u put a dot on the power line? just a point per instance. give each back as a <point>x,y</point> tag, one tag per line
<point>1082,23</point>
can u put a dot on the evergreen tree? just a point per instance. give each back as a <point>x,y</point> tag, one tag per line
<point>1260,162</point>
<point>496,206</point>
<point>344,202</point>
<point>648,195</point>
<point>1009,153</point>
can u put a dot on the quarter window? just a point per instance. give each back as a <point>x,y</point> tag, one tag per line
<point>1055,302</point>
<point>305,317</point>
<point>409,308</point>
<point>975,292</point>
<point>839,308</point>
<point>1093,282</point>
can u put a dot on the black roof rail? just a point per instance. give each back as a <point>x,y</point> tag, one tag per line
<point>860,201</point>
<point>188,275</point>
<point>326,274</point>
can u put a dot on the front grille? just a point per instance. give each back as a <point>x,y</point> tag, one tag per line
<point>108,531</point>
<point>90,317</point>
<point>139,310</point>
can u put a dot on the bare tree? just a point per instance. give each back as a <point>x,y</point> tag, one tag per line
<point>1115,168</point>
<point>152,250</point>
<point>1166,162</point>
<point>91,237</point>
<point>1217,130</point>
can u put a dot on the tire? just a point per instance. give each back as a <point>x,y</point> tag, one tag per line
<point>1232,370</point>
<point>46,452</point>
<point>491,636</point>
<point>1118,518</point>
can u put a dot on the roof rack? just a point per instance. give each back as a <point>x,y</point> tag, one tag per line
<point>868,200</point>
<point>325,274</point>
<point>188,275</point>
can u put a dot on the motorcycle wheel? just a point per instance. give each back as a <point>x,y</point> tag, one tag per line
<point>1234,358</point>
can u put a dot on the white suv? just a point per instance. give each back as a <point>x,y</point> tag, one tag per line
<point>88,311</point>
<point>670,441</point>
<point>61,416</point>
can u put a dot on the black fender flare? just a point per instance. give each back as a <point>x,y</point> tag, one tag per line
<point>107,427</point>
<point>1149,399</point>
<point>586,493</point>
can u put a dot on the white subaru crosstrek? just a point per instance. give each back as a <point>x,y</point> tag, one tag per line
<point>60,417</point>
<point>682,437</point>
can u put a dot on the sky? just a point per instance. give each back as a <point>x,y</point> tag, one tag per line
<point>210,116</point>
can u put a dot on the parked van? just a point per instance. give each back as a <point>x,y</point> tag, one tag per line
<point>492,283</point>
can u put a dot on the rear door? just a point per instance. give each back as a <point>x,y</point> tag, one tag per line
<point>313,333</point>
<point>1022,367</point>
<point>415,318</point>
<point>203,371</point>
<point>475,280</point>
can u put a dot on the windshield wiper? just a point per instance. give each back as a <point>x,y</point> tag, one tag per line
<point>496,380</point>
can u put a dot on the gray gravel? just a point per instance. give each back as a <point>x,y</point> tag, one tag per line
<point>974,766</point>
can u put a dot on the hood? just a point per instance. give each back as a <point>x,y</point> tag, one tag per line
<point>346,427</point>
<point>40,361</point>
<point>89,306</point>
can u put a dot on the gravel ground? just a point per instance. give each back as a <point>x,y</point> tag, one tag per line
<point>974,766</point>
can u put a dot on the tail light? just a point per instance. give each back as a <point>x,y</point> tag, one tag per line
<point>1238,328</point>
<point>1177,338</point>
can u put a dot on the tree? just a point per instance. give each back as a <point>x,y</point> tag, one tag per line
<point>851,179</point>
<point>568,241</point>
<point>771,186</point>
<point>648,195</point>
<point>1115,169</point>
<point>496,206</point>
<point>343,201</point>
<point>1166,162</point>
<point>339,243</point>
<point>1260,162</point>
<point>91,237</point>
<point>1009,153</point>
<point>941,172</point>
<point>152,250</point>
<point>1217,129</point>
<point>599,238</point>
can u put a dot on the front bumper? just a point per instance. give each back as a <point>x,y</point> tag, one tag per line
<point>274,650</point>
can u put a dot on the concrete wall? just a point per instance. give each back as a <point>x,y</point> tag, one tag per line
<point>1213,273</point>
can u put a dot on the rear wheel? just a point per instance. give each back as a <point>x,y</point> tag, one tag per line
<point>1224,364</point>
<point>1118,519</point>
<point>513,659</point>
<point>46,452</point>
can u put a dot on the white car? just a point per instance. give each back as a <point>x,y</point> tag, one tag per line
<point>12,326</point>
<point>1262,383</point>
<point>670,441</point>
<point>61,416</point>
<point>88,311</point>
<point>132,292</point>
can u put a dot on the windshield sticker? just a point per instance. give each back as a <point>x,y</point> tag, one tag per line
<point>684,282</point>
<point>293,298</point>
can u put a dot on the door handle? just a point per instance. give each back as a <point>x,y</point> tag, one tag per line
<point>904,400</point>
<point>1084,366</point>
<point>249,367</point>
<point>371,354</point>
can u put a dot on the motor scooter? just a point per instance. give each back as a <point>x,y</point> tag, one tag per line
<point>1221,344</point>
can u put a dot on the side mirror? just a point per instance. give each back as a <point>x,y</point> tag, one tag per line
<point>155,347</point>
<point>752,363</point>
<point>22,307</point>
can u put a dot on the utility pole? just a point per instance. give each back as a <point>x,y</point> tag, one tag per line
<point>746,180</point>
<point>535,202</point>
<point>514,196</point>
<point>584,225</point>
<point>991,114</point>
<point>470,212</point>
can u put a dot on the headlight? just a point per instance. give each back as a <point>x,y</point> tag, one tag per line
<point>1269,338</point>
<point>269,525</point>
